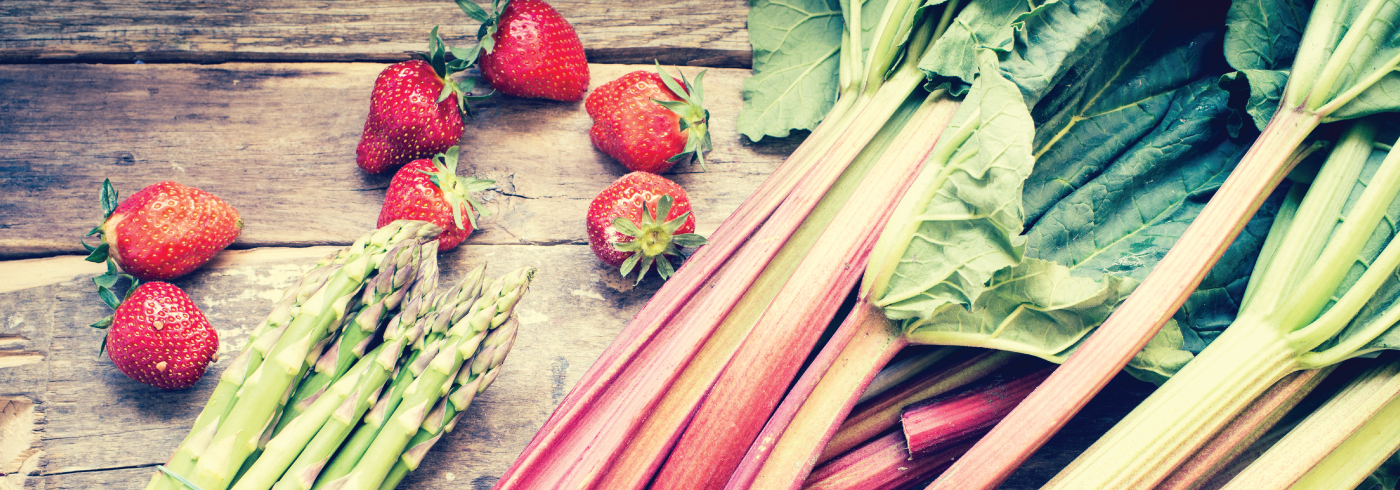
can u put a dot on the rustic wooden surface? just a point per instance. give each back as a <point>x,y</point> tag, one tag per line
<point>261,102</point>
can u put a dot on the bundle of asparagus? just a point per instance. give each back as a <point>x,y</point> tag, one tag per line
<point>366,327</point>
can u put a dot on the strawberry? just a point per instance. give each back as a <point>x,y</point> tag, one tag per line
<point>530,50</point>
<point>640,220</point>
<point>163,231</point>
<point>417,109</point>
<point>430,190</point>
<point>649,121</point>
<point>159,337</point>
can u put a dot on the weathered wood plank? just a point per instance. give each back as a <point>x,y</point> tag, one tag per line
<point>694,32</point>
<point>277,141</point>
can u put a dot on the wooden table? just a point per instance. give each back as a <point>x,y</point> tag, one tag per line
<point>262,102</point>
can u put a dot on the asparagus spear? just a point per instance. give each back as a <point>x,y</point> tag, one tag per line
<point>259,397</point>
<point>381,295</point>
<point>492,310</point>
<point>263,337</point>
<point>417,309</point>
<point>449,308</point>
<point>473,379</point>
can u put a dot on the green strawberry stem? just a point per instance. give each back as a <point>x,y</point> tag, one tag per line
<point>695,119</point>
<point>654,238</point>
<point>457,191</point>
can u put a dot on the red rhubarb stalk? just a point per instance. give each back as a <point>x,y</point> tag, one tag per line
<point>883,413</point>
<point>740,402</point>
<point>882,464</point>
<point>956,417</point>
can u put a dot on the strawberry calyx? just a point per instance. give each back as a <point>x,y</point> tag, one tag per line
<point>490,21</point>
<point>653,238</point>
<point>103,252</point>
<point>695,119</point>
<point>463,58</point>
<point>456,190</point>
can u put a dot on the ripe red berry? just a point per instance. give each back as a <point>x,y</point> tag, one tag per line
<point>159,337</point>
<point>431,190</point>
<point>640,220</point>
<point>531,51</point>
<point>415,110</point>
<point>649,121</point>
<point>163,231</point>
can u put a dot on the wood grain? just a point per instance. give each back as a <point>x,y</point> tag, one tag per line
<point>685,32</point>
<point>277,141</point>
<point>94,416</point>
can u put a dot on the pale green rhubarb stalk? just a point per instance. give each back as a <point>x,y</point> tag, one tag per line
<point>1340,431</point>
<point>1309,252</point>
<point>585,443</point>
<point>1337,63</point>
<point>463,341</point>
<point>333,460</point>
<point>221,455</point>
<point>1249,427</point>
<point>358,386</point>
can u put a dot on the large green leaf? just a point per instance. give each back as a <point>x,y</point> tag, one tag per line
<point>1056,34</point>
<point>1261,39</point>
<point>960,222</point>
<point>1106,106</point>
<point>981,24</point>
<point>1264,34</point>
<point>796,46</point>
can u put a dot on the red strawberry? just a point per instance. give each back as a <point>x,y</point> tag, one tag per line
<point>626,227</point>
<point>430,190</point>
<point>649,121</point>
<point>416,109</point>
<point>159,337</point>
<point>163,231</point>
<point>530,51</point>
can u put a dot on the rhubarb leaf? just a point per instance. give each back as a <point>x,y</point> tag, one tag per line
<point>960,221</point>
<point>1056,34</point>
<point>1261,40</point>
<point>953,56</point>
<point>796,47</point>
<point>1100,110</point>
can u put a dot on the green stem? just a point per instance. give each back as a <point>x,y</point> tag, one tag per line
<point>1325,430</point>
<point>1190,408</point>
<point>1341,56</point>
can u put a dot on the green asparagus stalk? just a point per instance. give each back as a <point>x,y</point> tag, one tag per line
<point>450,307</point>
<point>261,393</point>
<point>417,308</point>
<point>262,339</point>
<point>365,377</point>
<point>381,295</point>
<point>473,379</point>
<point>492,310</point>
